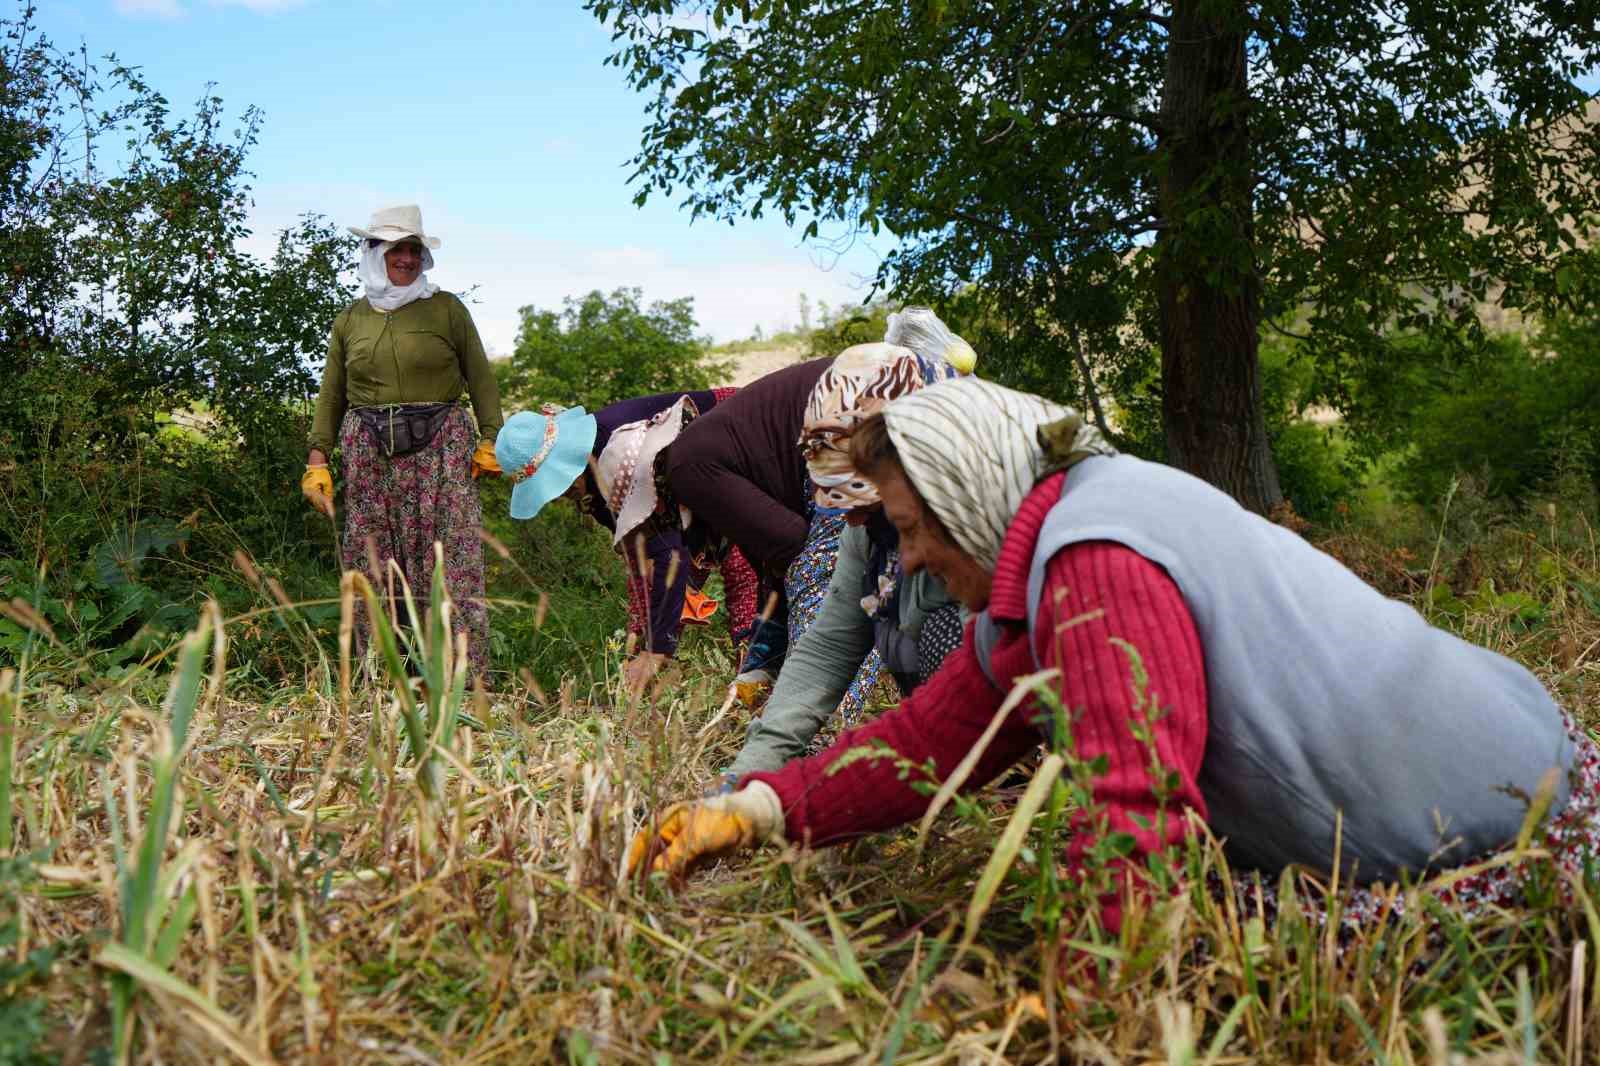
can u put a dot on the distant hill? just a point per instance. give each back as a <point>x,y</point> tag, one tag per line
<point>748,364</point>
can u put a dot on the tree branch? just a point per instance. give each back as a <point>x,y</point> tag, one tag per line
<point>1150,120</point>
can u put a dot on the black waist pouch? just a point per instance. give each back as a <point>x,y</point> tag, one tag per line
<point>404,428</point>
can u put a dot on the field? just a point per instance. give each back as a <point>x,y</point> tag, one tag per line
<point>209,868</point>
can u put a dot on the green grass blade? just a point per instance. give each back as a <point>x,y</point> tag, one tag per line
<point>1011,840</point>
<point>1219,1043</point>
<point>137,967</point>
<point>182,696</point>
<point>1347,1005</point>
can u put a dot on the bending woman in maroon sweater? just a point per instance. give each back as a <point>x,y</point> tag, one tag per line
<point>1297,702</point>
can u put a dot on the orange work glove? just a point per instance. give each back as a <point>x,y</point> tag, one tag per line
<point>696,831</point>
<point>697,607</point>
<point>316,485</point>
<point>483,460</point>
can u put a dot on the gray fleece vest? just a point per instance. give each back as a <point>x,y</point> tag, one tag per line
<point>1324,695</point>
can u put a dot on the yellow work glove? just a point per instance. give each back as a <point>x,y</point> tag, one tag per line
<point>695,831</point>
<point>751,688</point>
<point>483,460</point>
<point>316,485</point>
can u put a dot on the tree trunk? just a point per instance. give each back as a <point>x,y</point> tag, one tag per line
<point>1206,280</point>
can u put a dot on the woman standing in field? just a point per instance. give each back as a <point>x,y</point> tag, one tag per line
<point>606,463</point>
<point>1309,720</point>
<point>399,360</point>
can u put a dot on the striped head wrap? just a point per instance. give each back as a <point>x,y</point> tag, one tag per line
<point>974,450</point>
<point>860,382</point>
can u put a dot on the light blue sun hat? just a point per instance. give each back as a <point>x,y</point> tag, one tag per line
<point>543,453</point>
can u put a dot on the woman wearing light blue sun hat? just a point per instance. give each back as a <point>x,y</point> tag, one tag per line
<point>543,454</point>
<point>605,463</point>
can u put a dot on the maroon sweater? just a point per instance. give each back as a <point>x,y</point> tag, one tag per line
<point>1094,592</point>
<point>740,471</point>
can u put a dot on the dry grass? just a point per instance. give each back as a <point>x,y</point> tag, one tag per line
<point>321,895</point>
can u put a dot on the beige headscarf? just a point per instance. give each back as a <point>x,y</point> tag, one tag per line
<point>974,450</point>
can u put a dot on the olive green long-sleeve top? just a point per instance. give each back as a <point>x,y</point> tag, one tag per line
<point>425,352</point>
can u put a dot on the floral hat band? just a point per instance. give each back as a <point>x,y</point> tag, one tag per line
<point>551,432</point>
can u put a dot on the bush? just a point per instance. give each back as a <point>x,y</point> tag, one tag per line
<point>127,276</point>
<point>845,327</point>
<point>1313,469</point>
<point>600,349</point>
<point>1522,418</point>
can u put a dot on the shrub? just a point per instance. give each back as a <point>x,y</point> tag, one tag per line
<point>1312,468</point>
<point>599,349</point>
<point>1522,417</point>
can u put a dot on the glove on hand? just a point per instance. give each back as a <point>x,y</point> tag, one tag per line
<point>697,608</point>
<point>483,460</point>
<point>316,485</point>
<point>694,831</point>
<point>751,688</point>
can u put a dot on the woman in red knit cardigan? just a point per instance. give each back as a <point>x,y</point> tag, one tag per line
<point>1303,714</point>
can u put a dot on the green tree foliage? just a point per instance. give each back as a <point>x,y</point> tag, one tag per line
<point>1520,416</point>
<point>839,330</point>
<point>119,238</point>
<point>155,376</point>
<point>599,349</point>
<point>1195,169</point>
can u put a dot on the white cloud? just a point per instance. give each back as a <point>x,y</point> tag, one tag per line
<point>261,7</point>
<point>161,9</point>
<point>172,9</point>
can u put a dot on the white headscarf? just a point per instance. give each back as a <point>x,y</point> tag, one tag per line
<point>374,276</point>
<point>972,450</point>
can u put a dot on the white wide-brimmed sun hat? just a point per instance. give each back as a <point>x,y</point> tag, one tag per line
<point>394,224</point>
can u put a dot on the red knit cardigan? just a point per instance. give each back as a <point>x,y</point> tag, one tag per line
<point>1095,593</point>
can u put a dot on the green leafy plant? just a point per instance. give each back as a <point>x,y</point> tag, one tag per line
<point>601,348</point>
<point>22,1014</point>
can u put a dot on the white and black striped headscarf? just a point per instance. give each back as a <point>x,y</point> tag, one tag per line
<point>972,450</point>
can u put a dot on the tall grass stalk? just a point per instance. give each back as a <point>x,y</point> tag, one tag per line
<point>439,658</point>
<point>152,930</point>
<point>10,686</point>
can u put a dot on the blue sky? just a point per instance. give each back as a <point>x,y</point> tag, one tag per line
<point>497,117</point>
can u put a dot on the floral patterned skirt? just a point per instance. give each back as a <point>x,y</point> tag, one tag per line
<point>1570,841</point>
<point>805,587</point>
<point>395,509</point>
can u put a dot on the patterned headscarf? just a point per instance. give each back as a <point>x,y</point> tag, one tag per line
<point>625,470</point>
<point>860,382</point>
<point>974,450</point>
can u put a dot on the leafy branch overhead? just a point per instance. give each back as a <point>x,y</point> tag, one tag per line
<point>1362,169</point>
